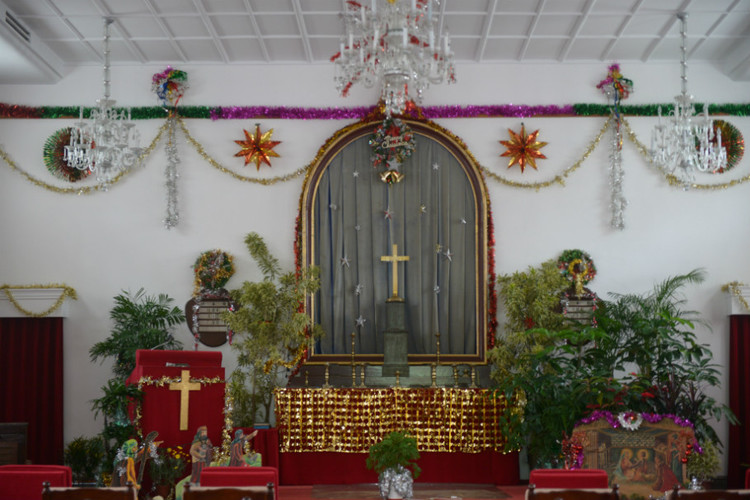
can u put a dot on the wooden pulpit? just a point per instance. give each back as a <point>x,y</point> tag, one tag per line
<point>182,390</point>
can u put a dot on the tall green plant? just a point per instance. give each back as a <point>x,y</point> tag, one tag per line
<point>141,322</point>
<point>531,300</point>
<point>642,356</point>
<point>271,329</point>
<point>653,335</point>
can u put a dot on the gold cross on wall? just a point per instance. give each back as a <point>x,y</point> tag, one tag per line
<point>394,259</point>
<point>184,386</point>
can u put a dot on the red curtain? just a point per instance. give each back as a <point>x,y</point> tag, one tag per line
<point>31,383</point>
<point>739,384</point>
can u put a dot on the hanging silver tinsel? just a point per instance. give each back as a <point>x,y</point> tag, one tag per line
<point>173,213</point>
<point>616,174</point>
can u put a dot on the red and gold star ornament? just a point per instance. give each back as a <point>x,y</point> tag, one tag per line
<point>258,147</point>
<point>523,149</point>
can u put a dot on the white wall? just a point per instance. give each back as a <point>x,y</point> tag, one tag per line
<point>103,243</point>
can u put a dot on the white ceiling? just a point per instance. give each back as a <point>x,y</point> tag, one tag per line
<point>69,33</point>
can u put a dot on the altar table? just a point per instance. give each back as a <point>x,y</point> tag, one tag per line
<point>325,433</point>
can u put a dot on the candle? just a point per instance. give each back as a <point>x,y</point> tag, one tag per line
<point>351,40</point>
<point>432,40</point>
<point>403,37</point>
<point>413,5</point>
<point>374,6</point>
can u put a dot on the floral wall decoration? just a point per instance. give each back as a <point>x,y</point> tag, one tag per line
<point>212,269</point>
<point>54,149</point>
<point>392,143</point>
<point>523,148</point>
<point>169,86</point>
<point>732,140</point>
<point>258,147</point>
<point>617,88</point>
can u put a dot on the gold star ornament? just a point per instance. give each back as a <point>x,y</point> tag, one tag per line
<point>523,149</point>
<point>258,147</point>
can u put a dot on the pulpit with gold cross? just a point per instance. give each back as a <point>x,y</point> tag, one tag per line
<point>182,390</point>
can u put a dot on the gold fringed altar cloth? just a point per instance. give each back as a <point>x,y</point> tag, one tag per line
<point>350,420</point>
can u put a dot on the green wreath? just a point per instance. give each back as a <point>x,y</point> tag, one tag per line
<point>212,270</point>
<point>573,262</point>
<point>393,140</point>
<point>54,150</point>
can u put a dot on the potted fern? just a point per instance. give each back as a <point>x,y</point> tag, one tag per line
<point>393,459</point>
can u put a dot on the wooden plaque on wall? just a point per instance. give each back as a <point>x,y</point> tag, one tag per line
<point>203,316</point>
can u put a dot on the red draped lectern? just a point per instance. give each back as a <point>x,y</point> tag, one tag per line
<point>182,390</point>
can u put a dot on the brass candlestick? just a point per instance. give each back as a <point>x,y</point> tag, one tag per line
<point>354,366</point>
<point>307,382</point>
<point>327,375</point>
<point>433,375</point>
<point>437,347</point>
<point>455,376</point>
<point>398,378</point>
<point>473,377</point>
<point>362,375</point>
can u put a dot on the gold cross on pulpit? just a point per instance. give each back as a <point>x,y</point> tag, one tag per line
<point>394,259</point>
<point>184,386</point>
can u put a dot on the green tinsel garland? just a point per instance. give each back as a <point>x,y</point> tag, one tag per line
<point>204,112</point>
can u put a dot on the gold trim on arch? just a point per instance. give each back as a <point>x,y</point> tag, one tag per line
<point>473,170</point>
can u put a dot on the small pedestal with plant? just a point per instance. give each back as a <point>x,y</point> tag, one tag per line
<point>393,460</point>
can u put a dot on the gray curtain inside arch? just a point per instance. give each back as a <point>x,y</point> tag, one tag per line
<point>431,216</point>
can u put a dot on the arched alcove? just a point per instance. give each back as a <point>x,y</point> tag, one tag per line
<point>438,217</point>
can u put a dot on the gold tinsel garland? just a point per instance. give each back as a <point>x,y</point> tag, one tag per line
<point>557,180</point>
<point>350,420</point>
<point>733,287</point>
<point>66,292</point>
<point>85,189</point>
<point>218,166</point>
<point>671,179</point>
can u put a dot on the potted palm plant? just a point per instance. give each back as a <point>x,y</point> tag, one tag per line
<point>393,459</point>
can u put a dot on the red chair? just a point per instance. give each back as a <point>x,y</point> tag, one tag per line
<point>25,482</point>
<point>240,476</point>
<point>563,478</point>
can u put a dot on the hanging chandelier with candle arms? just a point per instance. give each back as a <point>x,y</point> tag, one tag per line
<point>395,42</point>
<point>108,142</point>
<point>686,143</point>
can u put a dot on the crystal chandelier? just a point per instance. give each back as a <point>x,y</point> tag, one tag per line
<point>106,143</point>
<point>685,142</point>
<point>394,42</point>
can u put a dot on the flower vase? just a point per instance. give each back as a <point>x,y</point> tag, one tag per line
<point>163,490</point>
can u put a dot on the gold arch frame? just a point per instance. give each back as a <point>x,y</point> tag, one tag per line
<point>483,295</point>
